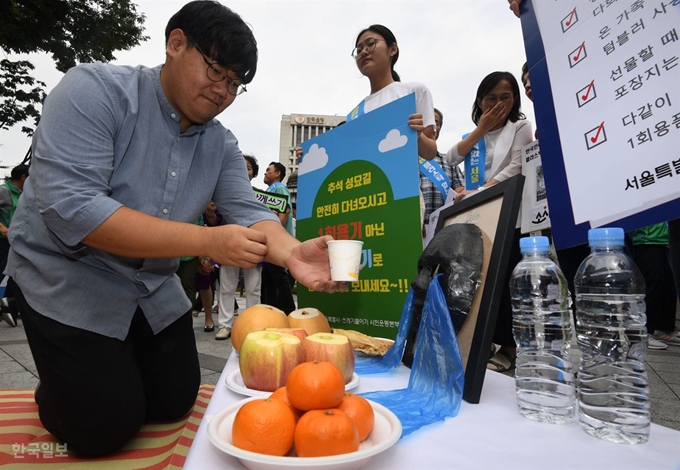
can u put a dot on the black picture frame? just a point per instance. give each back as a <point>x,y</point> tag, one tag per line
<point>495,211</point>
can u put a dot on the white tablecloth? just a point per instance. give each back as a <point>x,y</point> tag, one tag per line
<point>489,435</point>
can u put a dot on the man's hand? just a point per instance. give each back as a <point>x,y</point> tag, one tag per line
<point>234,245</point>
<point>309,265</point>
<point>209,215</point>
<point>210,210</point>
<point>514,6</point>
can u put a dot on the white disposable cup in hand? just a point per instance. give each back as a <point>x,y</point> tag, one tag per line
<point>345,259</point>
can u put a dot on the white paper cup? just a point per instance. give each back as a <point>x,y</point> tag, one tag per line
<point>345,259</point>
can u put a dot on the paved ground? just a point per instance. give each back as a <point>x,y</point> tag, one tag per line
<point>18,371</point>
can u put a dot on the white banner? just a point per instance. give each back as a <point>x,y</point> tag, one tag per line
<point>535,214</point>
<point>614,71</point>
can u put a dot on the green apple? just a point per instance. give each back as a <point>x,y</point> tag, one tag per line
<point>333,348</point>
<point>267,357</point>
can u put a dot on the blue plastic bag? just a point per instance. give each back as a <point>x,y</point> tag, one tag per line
<point>391,359</point>
<point>435,386</point>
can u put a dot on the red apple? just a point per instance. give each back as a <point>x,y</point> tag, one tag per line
<point>333,348</point>
<point>267,357</point>
<point>299,332</point>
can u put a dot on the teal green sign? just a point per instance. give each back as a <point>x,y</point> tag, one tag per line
<point>360,181</point>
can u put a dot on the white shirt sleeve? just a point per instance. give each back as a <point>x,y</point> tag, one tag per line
<point>523,136</point>
<point>453,157</point>
<point>425,105</point>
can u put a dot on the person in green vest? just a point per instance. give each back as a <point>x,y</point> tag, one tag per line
<point>650,253</point>
<point>9,197</point>
<point>276,289</point>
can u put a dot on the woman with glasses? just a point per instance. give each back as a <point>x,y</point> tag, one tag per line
<point>492,154</point>
<point>375,52</point>
<point>492,151</point>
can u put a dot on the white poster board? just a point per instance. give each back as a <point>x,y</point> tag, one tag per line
<point>610,107</point>
<point>535,213</point>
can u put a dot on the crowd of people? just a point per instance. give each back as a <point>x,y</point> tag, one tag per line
<point>266,283</point>
<point>138,197</point>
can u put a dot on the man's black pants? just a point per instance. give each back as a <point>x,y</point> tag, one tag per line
<point>660,295</point>
<point>95,392</point>
<point>276,289</point>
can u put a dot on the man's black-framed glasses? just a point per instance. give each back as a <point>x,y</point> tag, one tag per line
<point>368,46</point>
<point>216,75</point>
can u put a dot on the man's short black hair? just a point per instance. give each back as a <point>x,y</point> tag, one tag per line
<point>19,171</point>
<point>280,168</point>
<point>220,33</point>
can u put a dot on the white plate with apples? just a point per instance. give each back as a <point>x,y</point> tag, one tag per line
<point>386,432</point>
<point>267,357</point>
<point>235,384</point>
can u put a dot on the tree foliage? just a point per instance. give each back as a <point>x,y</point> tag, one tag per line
<point>19,94</point>
<point>71,31</point>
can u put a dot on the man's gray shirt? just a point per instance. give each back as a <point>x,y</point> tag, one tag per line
<point>108,138</point>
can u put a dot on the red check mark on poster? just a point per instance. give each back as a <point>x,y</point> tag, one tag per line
<point>594,138</point>
<point>580,50</point>
<point>570,20</point>
<point>586,94</point>
<point>590,87</point>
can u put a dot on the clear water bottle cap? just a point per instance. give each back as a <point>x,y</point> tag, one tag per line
<point>534,244</point>
<point>608,236</point>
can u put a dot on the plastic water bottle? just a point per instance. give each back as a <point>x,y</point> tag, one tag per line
<point>613,390</point>
<point>541,324</point>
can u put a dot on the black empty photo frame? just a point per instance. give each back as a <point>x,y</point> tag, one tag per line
<point>494,211</point>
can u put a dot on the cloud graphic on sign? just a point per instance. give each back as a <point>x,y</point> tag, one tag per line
<point>393,140</point>
<point>315,159</point>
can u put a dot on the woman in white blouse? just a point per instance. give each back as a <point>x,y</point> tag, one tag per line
<point>492,154</point>
<point>492,151</point>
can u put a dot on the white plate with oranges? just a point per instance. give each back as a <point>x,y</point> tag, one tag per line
<point>312,422</point>
<point>386,432</point>
<point>235,383</point>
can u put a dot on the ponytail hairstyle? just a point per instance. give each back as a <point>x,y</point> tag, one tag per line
<point>389,38</point>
